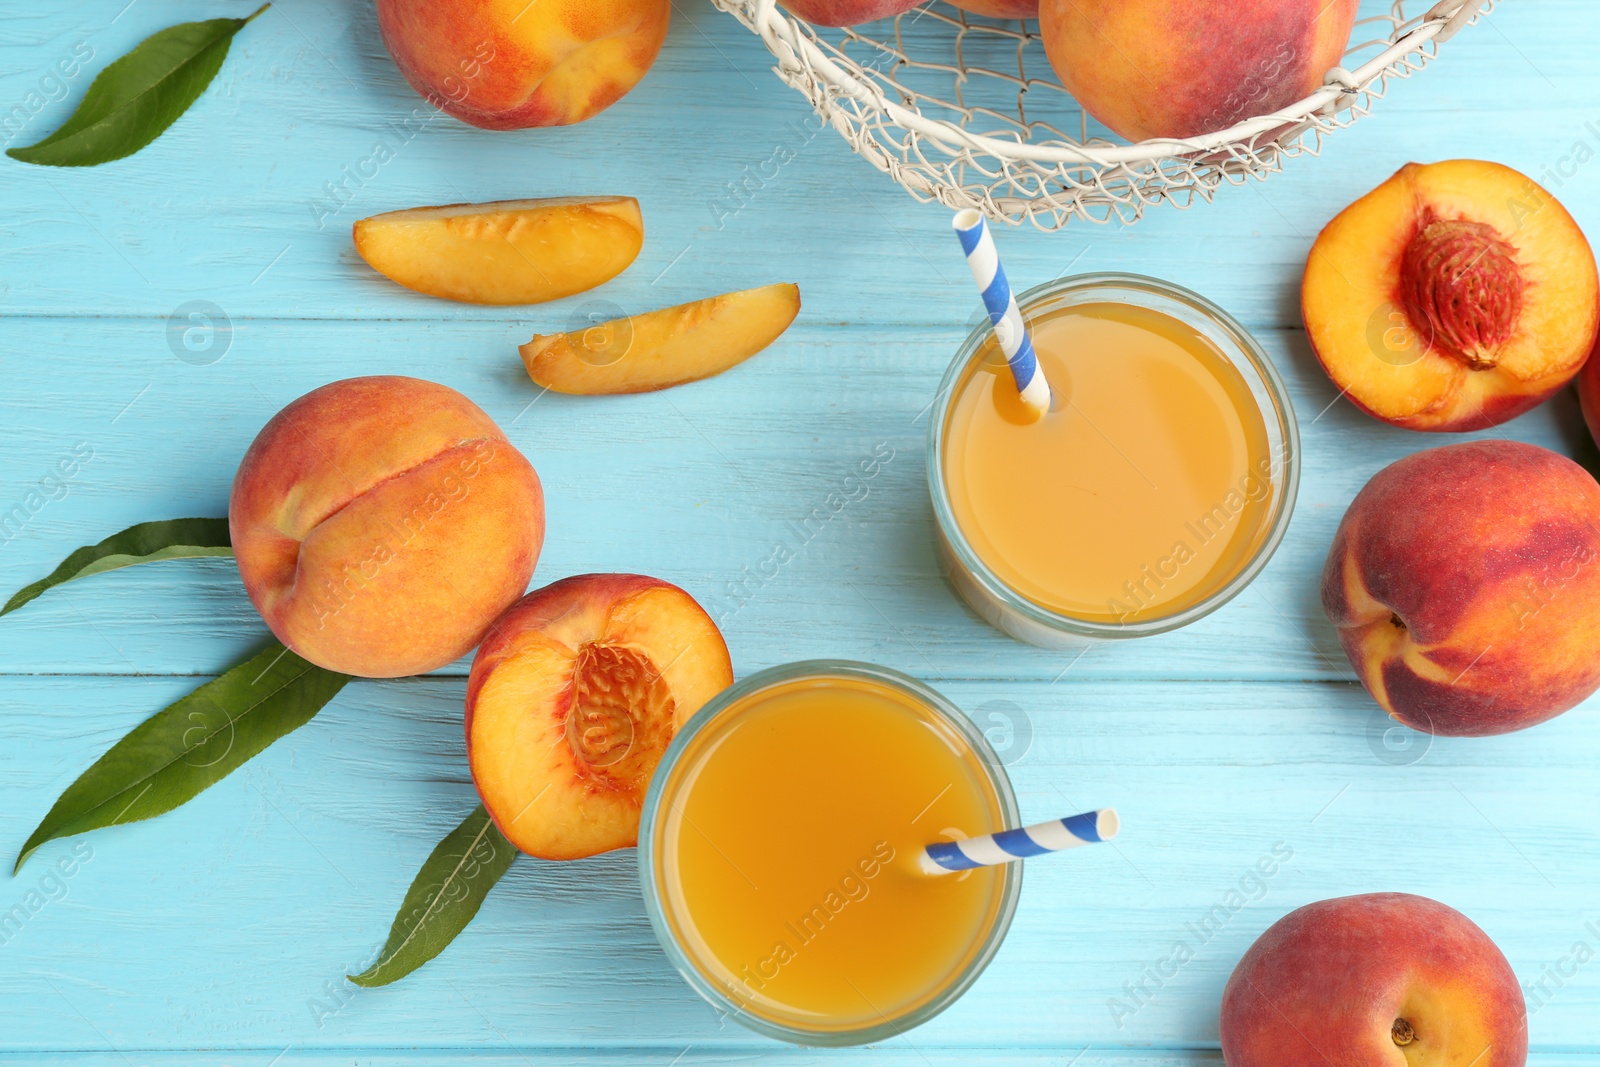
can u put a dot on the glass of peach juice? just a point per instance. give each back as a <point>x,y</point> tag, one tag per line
<point>779,844</point>
<point>1156,487</point>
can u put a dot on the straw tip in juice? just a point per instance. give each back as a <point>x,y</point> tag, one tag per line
<point>1147,488</point>
<point>1015,409</point>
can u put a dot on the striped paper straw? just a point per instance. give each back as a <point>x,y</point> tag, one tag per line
<point>1015,343</point>
<point>1007,846</point>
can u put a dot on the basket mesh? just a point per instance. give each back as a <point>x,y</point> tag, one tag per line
<point>966,110</point>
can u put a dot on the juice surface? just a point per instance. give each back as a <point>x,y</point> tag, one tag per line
<point>789,846</point>
<point>1141,492</point>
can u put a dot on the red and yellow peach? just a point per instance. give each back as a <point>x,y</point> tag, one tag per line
<point>1181,68</point>
<point>1465,585</point>
<point>512,64</point>
<point>1376,980</point>
<point>381,524</point>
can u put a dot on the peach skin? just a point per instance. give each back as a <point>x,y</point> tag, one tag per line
<point>572,700</point>
<point>1000,9</point>
<point>380,524</point>
<point>1589,393</point>
<point>512,64</point>
<point>847,12</point>
<point>1465,585</point>
<point>506,252</point>
<point>1454,296</point>
<point>1182,68</point>
<point>1376,980</point>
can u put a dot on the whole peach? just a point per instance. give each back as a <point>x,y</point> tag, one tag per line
<point>1373,981</point>
<point>1181,68</point>
<point>1000,9</point>
<point>847,12</point>
<point>381,524</point>
<point>511,64</point>
<point>1465,587</point>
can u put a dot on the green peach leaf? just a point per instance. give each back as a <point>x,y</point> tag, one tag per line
<point>179,752</point>
<point>145,543</point>
<point>135,99</point>
<point>443,897</point>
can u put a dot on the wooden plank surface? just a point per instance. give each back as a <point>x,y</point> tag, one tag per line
<point>220,933</point>
<point>221,924</point>
<point>697,485</point>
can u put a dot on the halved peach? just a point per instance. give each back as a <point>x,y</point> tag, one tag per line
<point>574,697</point>
<point>506,252</point>
<point>1454,296</point>
<point>657,349</point>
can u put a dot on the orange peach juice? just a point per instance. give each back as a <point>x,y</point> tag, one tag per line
<point>1145,488</point>
<point>786,848</point>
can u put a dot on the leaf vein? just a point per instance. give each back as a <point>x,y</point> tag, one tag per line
<point>232,722</point>
<point>428,912</point>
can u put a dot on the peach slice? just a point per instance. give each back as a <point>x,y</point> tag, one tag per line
<point>506,252</point>
<point>1454,296</point>
<point>658,349</point>
<point>574,697</point>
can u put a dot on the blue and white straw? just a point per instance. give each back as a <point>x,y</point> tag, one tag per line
<point>1008,846</point>
<point>1009,329</point>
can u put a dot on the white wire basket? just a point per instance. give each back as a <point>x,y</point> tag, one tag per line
<point>966,111</point>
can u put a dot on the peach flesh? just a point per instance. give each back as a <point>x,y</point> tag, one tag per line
<point>1454,296</point>
<point>660,349</point>
<point>572,700</point>
<point>507,252</point>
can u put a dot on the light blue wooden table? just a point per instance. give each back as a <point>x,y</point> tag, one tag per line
<point>221,933</point>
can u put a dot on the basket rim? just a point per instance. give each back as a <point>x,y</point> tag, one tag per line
<point>1438,24</point>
